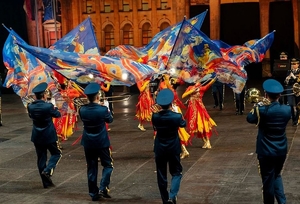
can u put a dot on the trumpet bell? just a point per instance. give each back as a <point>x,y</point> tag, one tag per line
<point>296,89</point>
<point>252,95</point>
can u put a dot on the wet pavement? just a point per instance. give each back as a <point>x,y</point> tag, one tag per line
<point>225,174</point>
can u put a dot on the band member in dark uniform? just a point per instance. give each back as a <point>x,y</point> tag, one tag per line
<point>290,80</point>
<point>44,135</point>
<point>96,142</point>
<point>239,100</point>
<point>271,143</point>
<point>218,94</point>
<point>167,146</point>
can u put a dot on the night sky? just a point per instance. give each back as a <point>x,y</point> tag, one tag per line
<point>12,15</point>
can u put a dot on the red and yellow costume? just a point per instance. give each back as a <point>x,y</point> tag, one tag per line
<point>66,123</point>
<point>145,101</point>
<point>199,123</point>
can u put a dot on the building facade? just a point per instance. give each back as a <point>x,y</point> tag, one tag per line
<point>135,22</point>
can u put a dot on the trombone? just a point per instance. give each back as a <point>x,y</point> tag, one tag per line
<point>120,98</point>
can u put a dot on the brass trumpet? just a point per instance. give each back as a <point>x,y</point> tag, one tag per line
<point>253,95</point>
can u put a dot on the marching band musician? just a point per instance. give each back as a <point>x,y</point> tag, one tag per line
<point>96,142</point>
<point>290,80</point>
<point>271,142</point>
<point>177,105</point>
<point>44,135</point>
<point>167,146</point>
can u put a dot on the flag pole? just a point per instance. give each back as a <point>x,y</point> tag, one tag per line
<point>175,42</point>
<point>37,23</point>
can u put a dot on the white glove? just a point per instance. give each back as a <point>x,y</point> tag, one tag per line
<point>105,103</point>
<point>53,102</point>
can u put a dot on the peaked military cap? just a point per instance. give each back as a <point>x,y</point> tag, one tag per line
<point>165,97</point>
<point>91,89</point>
<point>294,61</point>
<point>283,53</point>
<point>40,88</point>
<point>272,86</point>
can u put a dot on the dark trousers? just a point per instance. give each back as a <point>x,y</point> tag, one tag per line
<point>175,170</point>
<point>41,151</point>
<point>240,102</point>
<point>91,156</point>
<point>270,168</point>
<point>218,94</point>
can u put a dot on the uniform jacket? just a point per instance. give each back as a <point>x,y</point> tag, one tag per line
<point>94,117</point>
<point>291,80</point>
<point>41,113</point>
<point>166,123</point>
<point>271,138</point>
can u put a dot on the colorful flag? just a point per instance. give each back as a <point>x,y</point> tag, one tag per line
<point>157,51</point>
<point>253,51</point>
<point>191,53</point>
<point>81,39</point>
<point>24,70</point>
<point>48,10</point>
<point>83,68</point>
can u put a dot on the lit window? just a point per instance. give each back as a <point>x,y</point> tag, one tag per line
<point>163,4</point>
<point>127,35</point>
<point>146,34</point>
<point>107,7</point>
<point>145,5</point>
<point>89,6</point>
<point>126,6</point>
<point>109,37</point>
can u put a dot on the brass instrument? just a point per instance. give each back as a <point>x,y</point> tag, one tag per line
<point>253,95</point>
<point>48,94</point>
<point>155,108</point>
<point>83,101</point>
<point>296,89</point>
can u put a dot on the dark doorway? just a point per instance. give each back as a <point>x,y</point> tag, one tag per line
<point>237,29</point>
<point>281,20</point>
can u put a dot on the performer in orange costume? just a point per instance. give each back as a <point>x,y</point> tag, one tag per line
<point>65,124</point>
<point>199,122</point>
<point>177,105</point>
<point>145,101</point>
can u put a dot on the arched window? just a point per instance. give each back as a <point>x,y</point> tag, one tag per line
<point>164,25</point>
<point>127,35</point>
<point>146,34</point>
<point>109,37</point>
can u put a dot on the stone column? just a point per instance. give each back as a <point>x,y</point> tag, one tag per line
<point>214,9</point>
<point>136,33</point>
<point>264,6</point>
<point>296,26</point>
<point>155,27</point>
